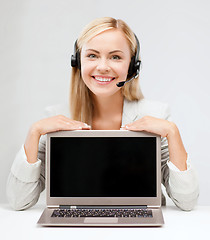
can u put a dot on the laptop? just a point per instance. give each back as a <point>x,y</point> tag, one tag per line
<point>103,178</point>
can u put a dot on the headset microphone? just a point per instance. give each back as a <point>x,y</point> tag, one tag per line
<point>121,84</point>
<point>134,67</point>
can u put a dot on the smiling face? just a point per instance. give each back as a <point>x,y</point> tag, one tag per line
<point>105,61</point>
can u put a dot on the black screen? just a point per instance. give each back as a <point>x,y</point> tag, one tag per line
<point>103,167</point>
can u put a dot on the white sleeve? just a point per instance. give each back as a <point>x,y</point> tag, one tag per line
<point>181,186</point>
<point>24,183</point>
<point>23,170</point>
<point>184,185</point>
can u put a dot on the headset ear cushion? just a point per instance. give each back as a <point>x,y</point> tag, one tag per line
<point>78,59</point>
<point>73,61</point>
<point>131,69</point>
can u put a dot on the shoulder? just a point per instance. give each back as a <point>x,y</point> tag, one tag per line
<point>58,109</point>
<point>152,108</point>
<point>146,107</point>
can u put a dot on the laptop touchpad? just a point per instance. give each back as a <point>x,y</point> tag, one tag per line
<point>101,220</point>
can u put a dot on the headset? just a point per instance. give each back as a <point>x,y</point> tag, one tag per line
<point>133,70</point>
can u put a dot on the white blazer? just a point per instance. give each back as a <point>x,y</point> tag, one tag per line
<point>26,181</point>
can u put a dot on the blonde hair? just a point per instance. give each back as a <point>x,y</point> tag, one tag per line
<point>81,104</point>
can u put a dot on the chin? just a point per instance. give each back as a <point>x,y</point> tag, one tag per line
<point>104,94</point>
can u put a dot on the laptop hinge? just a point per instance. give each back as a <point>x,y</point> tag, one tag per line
<point>53,206</point>
<point>67,207</point>
<point>154,206</point>
<point>102,207</point>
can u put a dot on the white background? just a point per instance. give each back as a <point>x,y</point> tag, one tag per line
<point>36,42</point>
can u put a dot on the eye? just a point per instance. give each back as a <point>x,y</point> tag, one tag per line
<point>91,55</point>
<point>116,57</point>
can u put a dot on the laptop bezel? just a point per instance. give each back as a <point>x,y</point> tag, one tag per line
<point>104,201</point>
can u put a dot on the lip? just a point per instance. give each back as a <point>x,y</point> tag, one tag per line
<point>102,76</point>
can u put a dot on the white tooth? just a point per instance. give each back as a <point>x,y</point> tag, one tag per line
<point>103,79</point>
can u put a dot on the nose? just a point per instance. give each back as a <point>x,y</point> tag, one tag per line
<point>103,66</point>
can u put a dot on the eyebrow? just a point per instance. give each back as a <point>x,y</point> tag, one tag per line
<point>109,52</point>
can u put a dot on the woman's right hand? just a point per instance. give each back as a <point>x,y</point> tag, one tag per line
<point>47,125</point>
<point>58,123</point>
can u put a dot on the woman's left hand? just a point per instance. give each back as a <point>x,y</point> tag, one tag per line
<point>164,128</point>
<point>151,124</point>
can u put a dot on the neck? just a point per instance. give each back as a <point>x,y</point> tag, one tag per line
<point>107,107</point>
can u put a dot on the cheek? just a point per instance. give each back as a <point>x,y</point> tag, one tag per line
<point>86,70</point>
<point>122,70</point>
<point>125,68</point>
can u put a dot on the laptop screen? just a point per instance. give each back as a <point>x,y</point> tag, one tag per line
<point>103,167</point>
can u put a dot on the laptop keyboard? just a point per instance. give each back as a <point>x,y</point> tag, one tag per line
<point>102,213</point>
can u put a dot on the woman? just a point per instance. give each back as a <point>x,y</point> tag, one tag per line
<point>103,56</point>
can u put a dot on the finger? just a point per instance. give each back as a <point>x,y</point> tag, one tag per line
<point>86,127</point>
<point>78,123</point>
<point>131,128</point>
<point>126,127</point>
<point>64,125</point>
<point>134,124</point>
<point>134,128</point>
